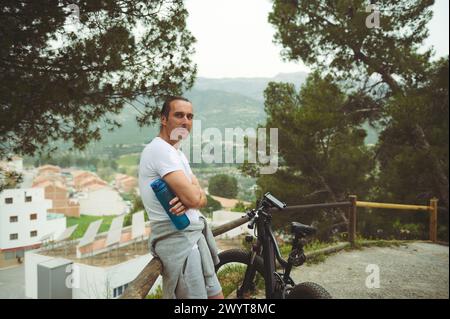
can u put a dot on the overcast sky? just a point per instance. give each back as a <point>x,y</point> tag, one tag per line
<point>234,38</point>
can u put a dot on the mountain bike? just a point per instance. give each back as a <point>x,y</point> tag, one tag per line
<point>247,273</point>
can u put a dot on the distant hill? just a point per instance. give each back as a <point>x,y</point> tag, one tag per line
<point>222,109</point>
<point>214,108</point>
<point>221,103</point>
<point>251,87</point>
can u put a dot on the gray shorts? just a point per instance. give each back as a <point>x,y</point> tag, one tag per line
<point>191,284</point>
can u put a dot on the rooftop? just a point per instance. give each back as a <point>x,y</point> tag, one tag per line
<point>49,167</point>
<point>46,183</point>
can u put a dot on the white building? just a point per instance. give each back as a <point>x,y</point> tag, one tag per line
<point>24,222</point>
<point>101,201</point>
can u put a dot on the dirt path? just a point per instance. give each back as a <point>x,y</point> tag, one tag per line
<point>415,270</point>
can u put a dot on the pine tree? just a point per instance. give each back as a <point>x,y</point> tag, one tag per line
<point>65,67</point>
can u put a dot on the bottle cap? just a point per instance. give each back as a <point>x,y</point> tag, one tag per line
<point>158,185</point>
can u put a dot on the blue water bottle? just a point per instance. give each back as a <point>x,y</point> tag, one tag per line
<point>165,195</point>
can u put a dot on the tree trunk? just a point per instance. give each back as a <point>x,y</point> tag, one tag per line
<point>342,214</point>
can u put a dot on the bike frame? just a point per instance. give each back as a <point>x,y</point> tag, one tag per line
<point>266,247</point>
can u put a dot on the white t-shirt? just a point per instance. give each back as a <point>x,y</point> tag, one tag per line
<point>158,159</point>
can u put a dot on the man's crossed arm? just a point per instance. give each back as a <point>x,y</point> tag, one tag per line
<point>188,194</point>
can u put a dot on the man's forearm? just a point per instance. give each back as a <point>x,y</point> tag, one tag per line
<point>202,198</point>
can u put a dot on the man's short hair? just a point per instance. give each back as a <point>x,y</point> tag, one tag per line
<point>165,110</point>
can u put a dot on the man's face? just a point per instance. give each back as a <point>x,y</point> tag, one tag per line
<point>179,122</point>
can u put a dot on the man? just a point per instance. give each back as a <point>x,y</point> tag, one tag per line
<point>189,255</point>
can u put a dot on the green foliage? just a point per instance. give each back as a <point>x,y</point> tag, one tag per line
<point>323,156</point>
<point>9,179</point>
<point>316,259</point>
<point>285,249</point>
<point>246,87</point>
<point>211,206</point>
<point>332,36</point>
<point>83,222</point>
<point>129,160</point>
<point>106,173</point>
<point>240,207</point>
<point>406,173</point>
<point>128,164</point>
<point>137,207</point>
<point>409,231</point>
<point>381,78</point>
<point>69,92</point>
<point>223,185</point>
<point>231,277</point>
<point>312,246</point>
<point>218,109</point>
<point>158,294</point>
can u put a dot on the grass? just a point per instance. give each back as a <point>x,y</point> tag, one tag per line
<point>314,245</point>
<point>128,164</point>
<point>316,259</point>
<point>158,294</point>
<point>83,222</point>
<point>231,277</point>
<point>128,160</point>
<point>361,243</point>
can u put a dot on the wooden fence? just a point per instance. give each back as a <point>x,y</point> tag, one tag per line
<point>432,209</point>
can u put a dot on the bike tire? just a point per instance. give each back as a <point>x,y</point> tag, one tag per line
<point>237,260</point>
<point>309,290</point>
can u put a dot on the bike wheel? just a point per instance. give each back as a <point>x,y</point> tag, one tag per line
<point>231,270</point>
<point>308,290</point>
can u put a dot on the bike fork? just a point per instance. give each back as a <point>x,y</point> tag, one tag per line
<point>250,273</point>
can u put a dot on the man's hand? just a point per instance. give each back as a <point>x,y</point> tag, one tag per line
<point>178,207</point>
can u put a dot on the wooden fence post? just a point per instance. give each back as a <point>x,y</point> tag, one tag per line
<point>352,220</point>
<point>433,219</point>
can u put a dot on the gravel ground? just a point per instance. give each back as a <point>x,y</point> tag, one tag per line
<point>413,270</point>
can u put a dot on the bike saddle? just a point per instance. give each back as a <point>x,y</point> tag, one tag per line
<point>302,230</point>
